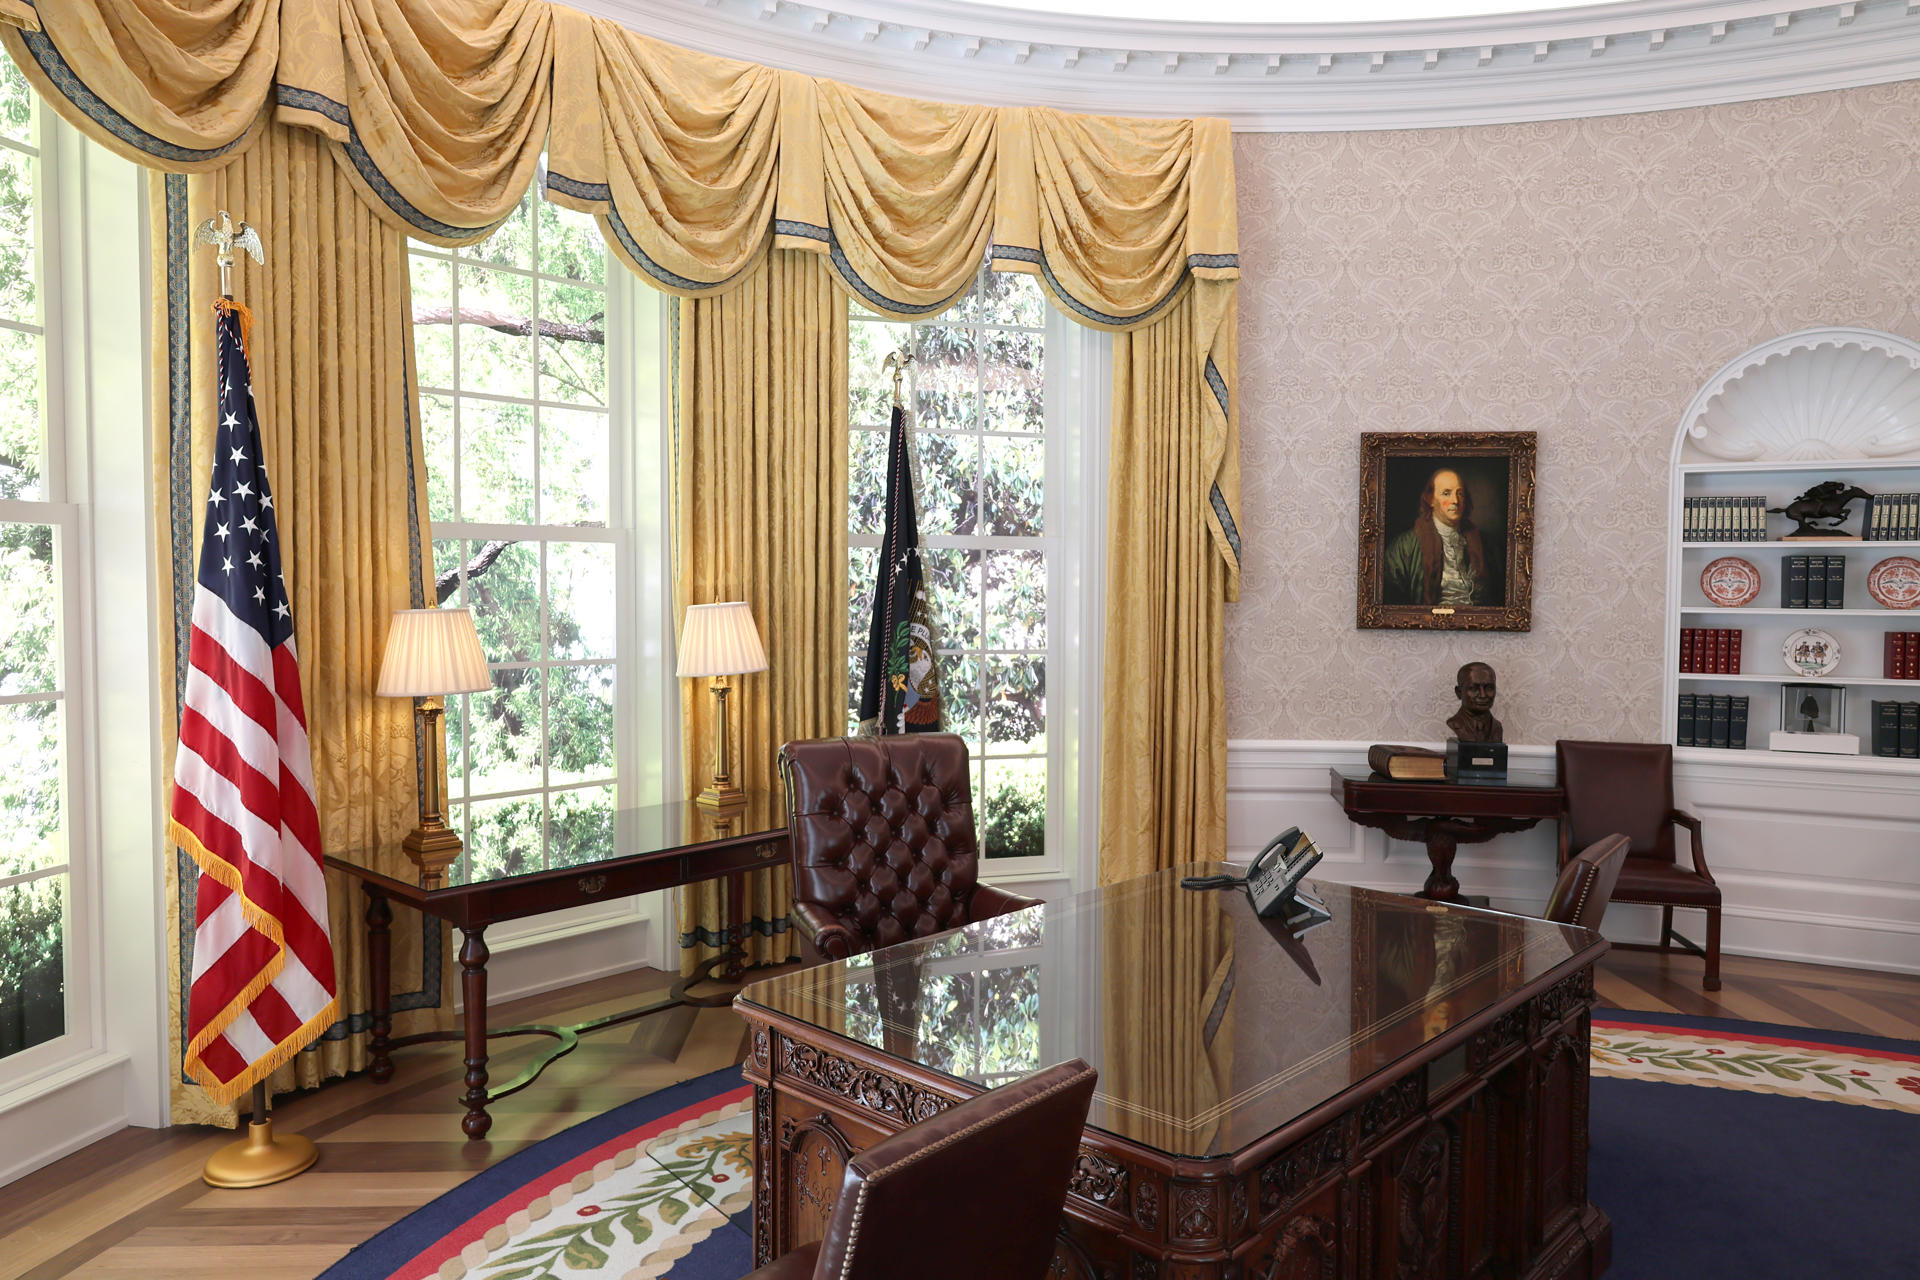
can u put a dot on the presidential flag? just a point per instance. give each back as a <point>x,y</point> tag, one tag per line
<point>242,805</point>
<point>900,689</point>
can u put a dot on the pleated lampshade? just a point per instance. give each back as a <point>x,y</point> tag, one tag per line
<point>720,640</point>
<point>431,652</point>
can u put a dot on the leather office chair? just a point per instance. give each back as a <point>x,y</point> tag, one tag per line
<point>1627,787</point>
<point>994,1169</point>
<point>1586,882</point>
<point>883,843</point>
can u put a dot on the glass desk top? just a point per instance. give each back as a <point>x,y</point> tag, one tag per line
<point>1210,1027</point>
<point>588,837</point>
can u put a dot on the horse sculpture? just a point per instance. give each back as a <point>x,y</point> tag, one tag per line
<point>1821,509</point>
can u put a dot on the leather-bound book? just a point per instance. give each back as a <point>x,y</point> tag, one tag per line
<point>1684,737</point>
<point>1737,723</point>
<point>1836,582</point>
<point>1910,730</point>
<point>1407,764</point>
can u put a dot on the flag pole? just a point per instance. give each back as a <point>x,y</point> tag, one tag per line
<point>262,1158</point>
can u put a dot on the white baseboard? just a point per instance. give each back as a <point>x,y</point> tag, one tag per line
<point>548,961</point>
<point>1815,865</point>
<point>55,1117</point>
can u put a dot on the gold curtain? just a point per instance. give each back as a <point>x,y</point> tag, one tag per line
<point>437,112</point>
<point>674,152</point>
<point>759,498</point>
<point>177,85</point>
<point>1163,752</point>
<point>330,351</point>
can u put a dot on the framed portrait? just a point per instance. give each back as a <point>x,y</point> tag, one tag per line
<point>1446,530</point>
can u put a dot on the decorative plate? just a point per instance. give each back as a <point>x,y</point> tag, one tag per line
<point>1895,582</point>
<point>1730,582</point>
<point>1811,652</point>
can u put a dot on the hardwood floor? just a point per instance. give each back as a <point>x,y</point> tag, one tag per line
<point>133,1205</point>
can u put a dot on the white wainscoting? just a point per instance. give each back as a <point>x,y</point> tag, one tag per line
<point>1817,865</point>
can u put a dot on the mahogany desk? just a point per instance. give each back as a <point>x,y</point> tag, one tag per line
<point>653,848</point>
<point>1400,1093</point>
<point>1445,815</point>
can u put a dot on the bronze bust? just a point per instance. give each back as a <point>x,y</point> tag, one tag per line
<point>1474,721</point>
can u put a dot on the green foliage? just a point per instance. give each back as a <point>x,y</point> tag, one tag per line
<point>1015,821</point>
<point>484,328</point>
<point>32,963</point>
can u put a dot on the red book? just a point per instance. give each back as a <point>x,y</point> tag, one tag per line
<point>1896,656</point>
<point>1721,648</point>
<point>1686,648</point>
<point>1912,664</point>
<point>1733,653</point>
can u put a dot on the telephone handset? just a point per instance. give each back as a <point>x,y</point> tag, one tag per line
<point>1276,873</point>
<point>1273,879</point>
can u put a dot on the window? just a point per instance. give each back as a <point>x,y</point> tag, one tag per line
<point>981,430</point>
<point>38,535</point>
<point>510,341</point>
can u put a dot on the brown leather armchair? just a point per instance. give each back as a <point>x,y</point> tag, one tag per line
<point>1586,882</point>
<point>883,844</point>
<point>1627,787</point>
<point>996,1167</point>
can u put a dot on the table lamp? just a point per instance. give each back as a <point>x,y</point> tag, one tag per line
<point>719,640</point>
<point>431,653</point>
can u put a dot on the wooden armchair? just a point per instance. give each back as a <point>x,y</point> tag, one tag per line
<point>883,842</point>
<point>1586,882</point>
<point>1627,787</point>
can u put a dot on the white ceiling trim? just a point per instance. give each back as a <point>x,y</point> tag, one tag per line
<point>1646,55</point>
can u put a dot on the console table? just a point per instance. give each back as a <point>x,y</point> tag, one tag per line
<point>653,848</point>
<point>1397,1094</point>
<point>1445,815</point>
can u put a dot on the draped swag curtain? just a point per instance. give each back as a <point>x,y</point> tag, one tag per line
<point>698,168</point>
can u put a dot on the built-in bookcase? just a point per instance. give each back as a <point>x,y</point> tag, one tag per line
<point>1828,404</point>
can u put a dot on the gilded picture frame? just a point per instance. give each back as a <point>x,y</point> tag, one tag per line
<point>1446,530</point>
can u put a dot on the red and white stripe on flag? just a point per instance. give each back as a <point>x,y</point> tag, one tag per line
<point>243,800</point>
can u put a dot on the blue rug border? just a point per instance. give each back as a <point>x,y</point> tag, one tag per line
<point>1739,1026</point>
<point>379,1256</point>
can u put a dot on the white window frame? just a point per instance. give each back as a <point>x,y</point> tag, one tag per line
<point>1077,373</point>
<point>646,705</point>
<point>111,1067</point>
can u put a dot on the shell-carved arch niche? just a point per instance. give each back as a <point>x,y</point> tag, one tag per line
<point>1810,396</point>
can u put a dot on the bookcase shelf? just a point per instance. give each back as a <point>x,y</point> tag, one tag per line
<point>1827,404</point>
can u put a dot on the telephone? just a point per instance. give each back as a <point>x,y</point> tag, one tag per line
<point>1273,879</point>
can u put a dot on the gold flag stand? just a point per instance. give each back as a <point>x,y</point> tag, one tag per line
<point>262,1157</point>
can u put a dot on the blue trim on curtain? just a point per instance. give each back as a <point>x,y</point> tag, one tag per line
<point>363,164</point>
<point>598,191</point>
<point>1017,254</point>
<point>97,109</point>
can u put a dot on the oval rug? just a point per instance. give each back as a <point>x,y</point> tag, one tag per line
<point>1718,1151</point>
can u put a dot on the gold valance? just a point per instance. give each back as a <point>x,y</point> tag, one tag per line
<point>437,110</point>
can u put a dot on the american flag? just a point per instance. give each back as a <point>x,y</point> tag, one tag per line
<point>243,806</point>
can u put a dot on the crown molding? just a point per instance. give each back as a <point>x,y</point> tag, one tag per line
<point>1645,55</point>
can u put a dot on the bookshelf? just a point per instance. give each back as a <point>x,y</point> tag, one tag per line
<point>1822,404</point>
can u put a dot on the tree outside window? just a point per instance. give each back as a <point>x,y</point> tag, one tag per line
<point>978,399</point>
<point>510,344</point>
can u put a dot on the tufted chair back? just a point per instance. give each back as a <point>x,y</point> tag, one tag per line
<point>882,837</point>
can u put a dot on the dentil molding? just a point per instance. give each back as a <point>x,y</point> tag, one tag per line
<point>1644,55</point>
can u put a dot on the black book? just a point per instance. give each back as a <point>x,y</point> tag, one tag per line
<point>1684,737</point>
<point>1886,728</point>
<point>1816,581</point>
<point>1737,723</point>
<point>1836,582</point>
<point>1722,714</point>
<point>1910,730</point>
<point>1793,582</point>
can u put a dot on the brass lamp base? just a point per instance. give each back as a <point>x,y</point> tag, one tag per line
<point>259,1159</point>
<point>721,795</point>
<point>433,849</point>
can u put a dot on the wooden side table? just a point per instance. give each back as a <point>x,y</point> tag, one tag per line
<point>1445,815</point>
<point>654,848</point>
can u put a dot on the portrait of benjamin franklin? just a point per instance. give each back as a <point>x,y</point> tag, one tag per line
<point>1440,549</point>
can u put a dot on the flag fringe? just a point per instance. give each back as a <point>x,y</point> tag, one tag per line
<point>224,872</point>
<point>227,306</point>
<point>229,1091</point>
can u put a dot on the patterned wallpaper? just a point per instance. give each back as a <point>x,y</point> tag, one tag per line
<point>1577,278</point>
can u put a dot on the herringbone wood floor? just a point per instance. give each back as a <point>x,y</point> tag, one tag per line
<point>133,1205</point>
